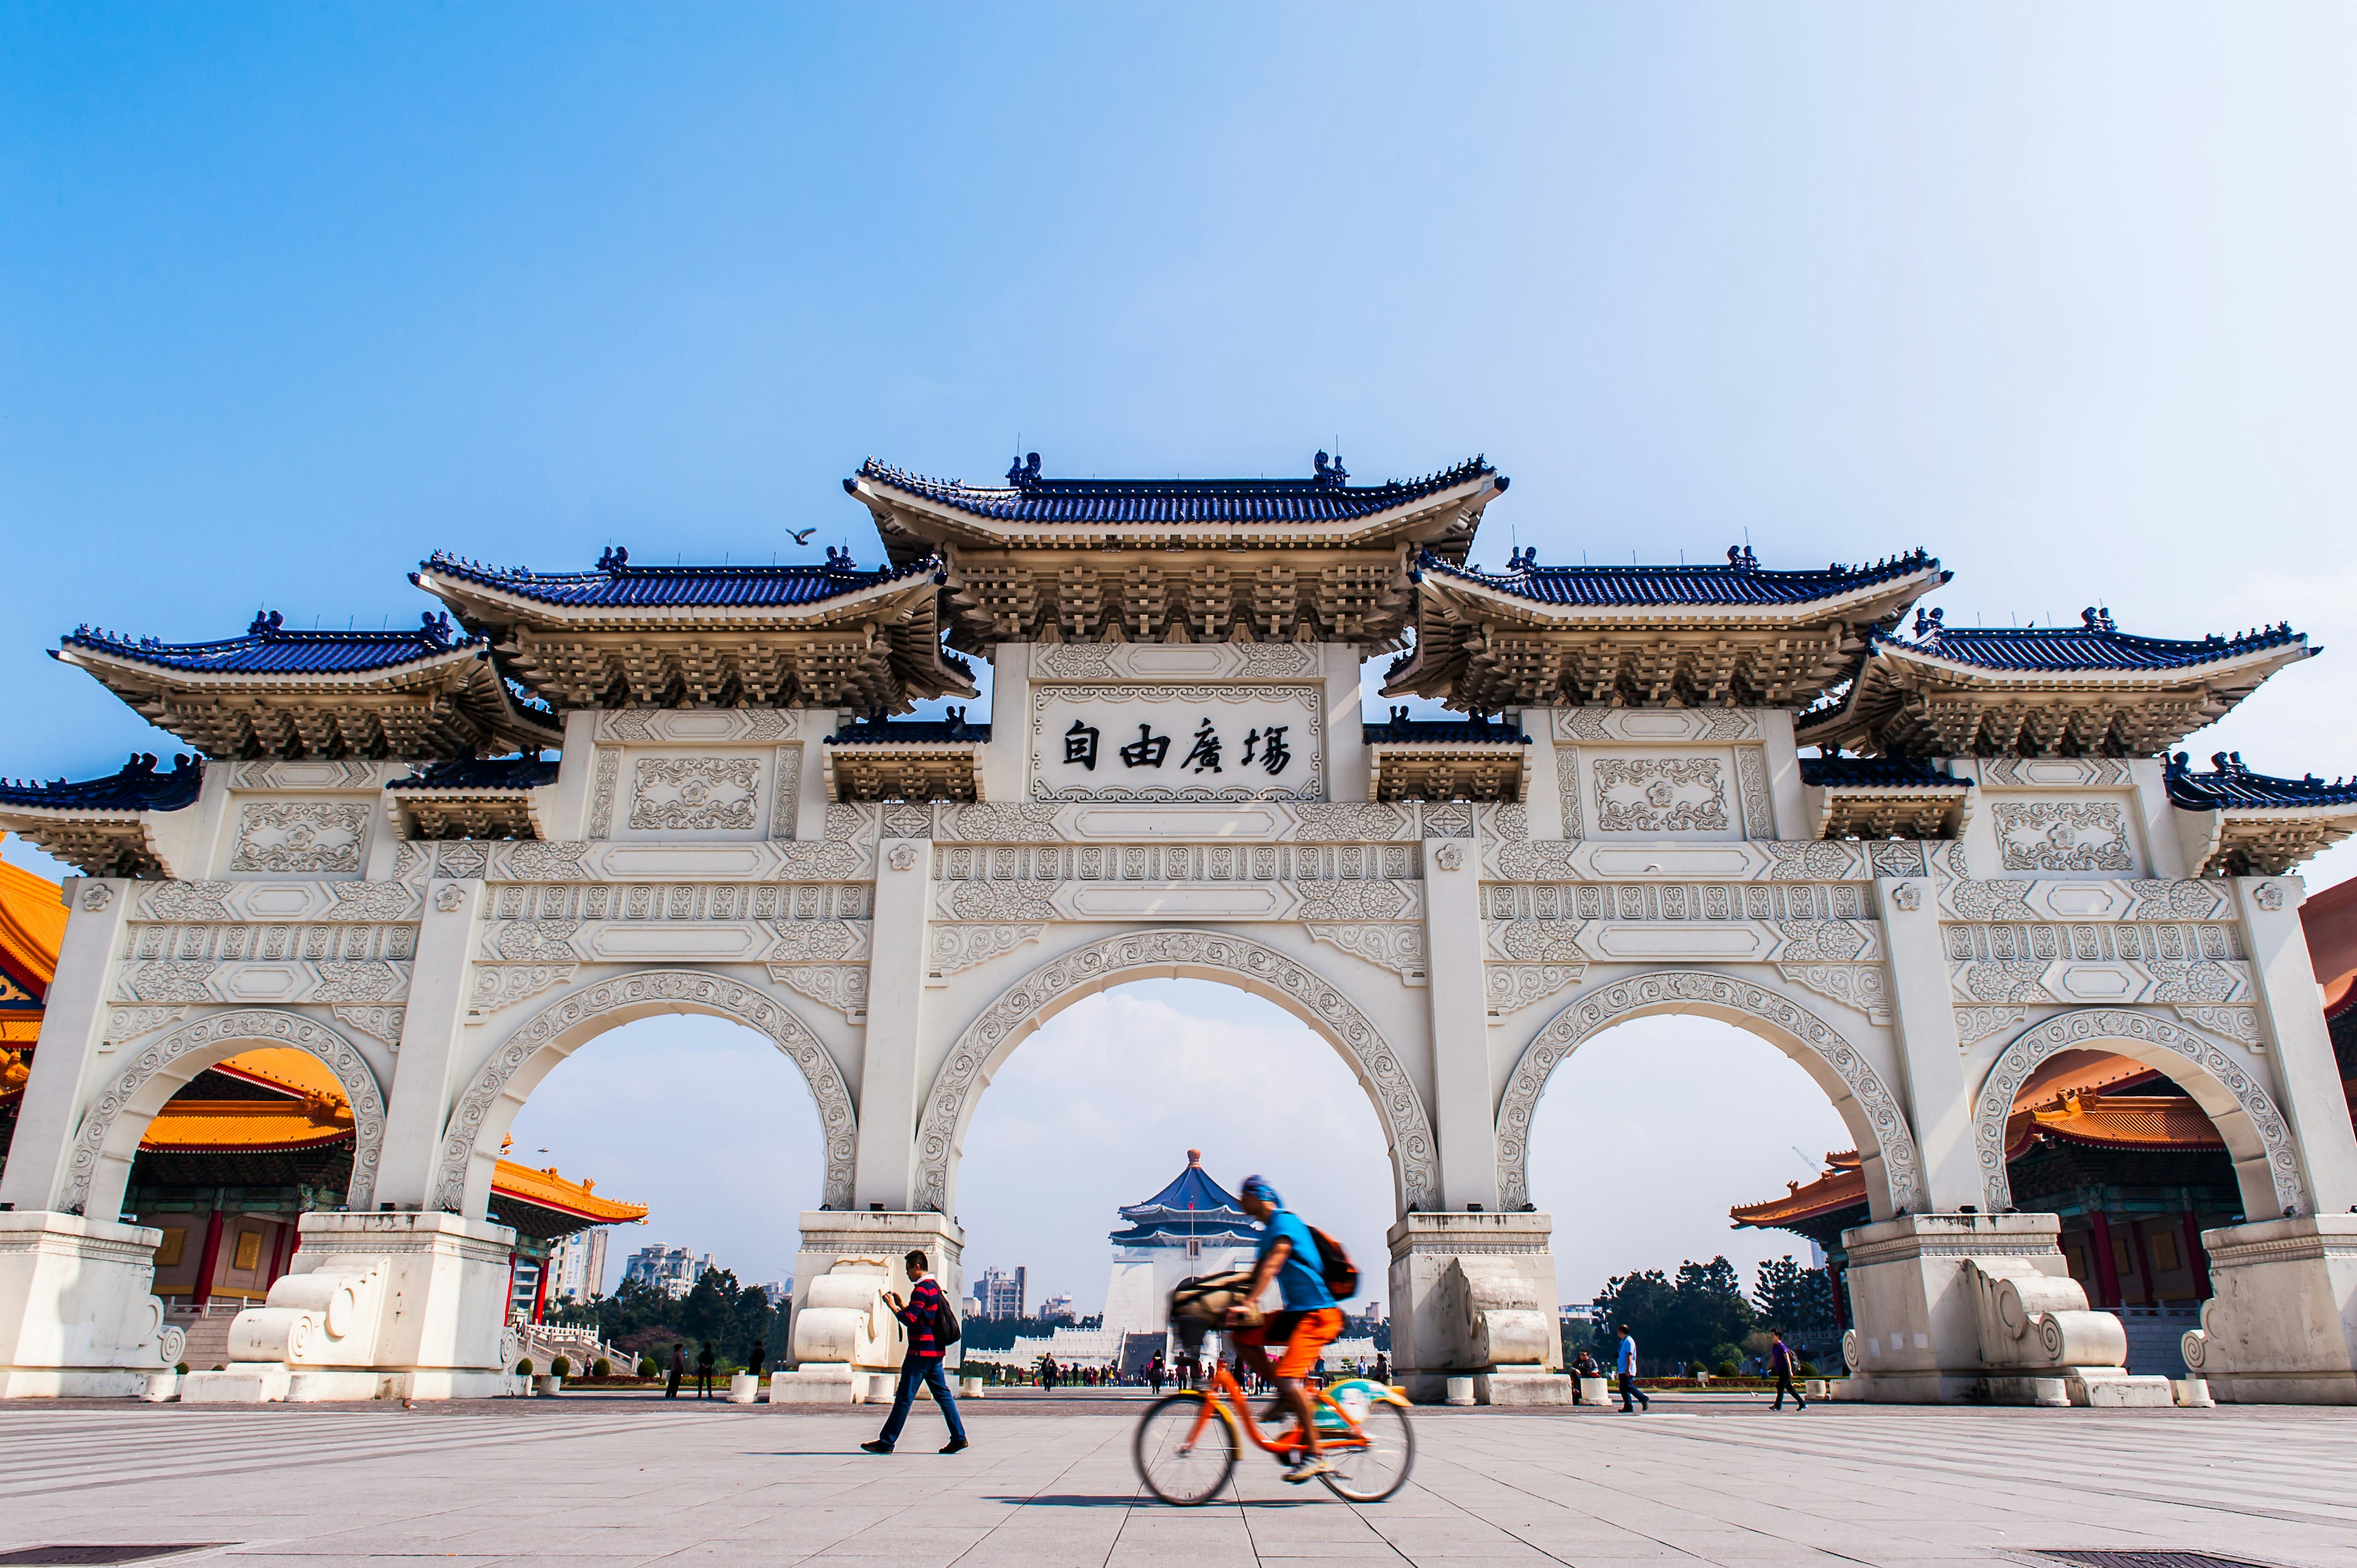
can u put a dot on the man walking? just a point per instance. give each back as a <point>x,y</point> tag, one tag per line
<point>678,1371</point>
<point>1780,1361</point>
<point>704,1370</point>
<point>1628,1389</point>
<point>922,1312</point>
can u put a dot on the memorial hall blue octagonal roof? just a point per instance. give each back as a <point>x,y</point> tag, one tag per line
<point>619,584</point>
<point>1194,1205</point>
<point>1030,497</point>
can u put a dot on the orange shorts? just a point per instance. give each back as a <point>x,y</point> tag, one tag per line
<point>1318,1329</point>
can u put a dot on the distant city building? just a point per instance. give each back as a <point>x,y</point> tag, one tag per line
<point>778,1290</point>
<point>577,1268</point>
<point>674,1270</point>
<point>1000,1293</point>
<point>1055,1307</point>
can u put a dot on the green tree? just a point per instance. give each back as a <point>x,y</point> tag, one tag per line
<point>1794,1299</point>
<point>1676,1321</point>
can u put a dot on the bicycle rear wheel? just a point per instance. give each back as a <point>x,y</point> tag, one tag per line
<point>1371,1474</point>
<point>1178,1463</point>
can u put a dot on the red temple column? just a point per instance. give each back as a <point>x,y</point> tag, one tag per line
<point>282,1254</point>
<point>2141,1252</point>
<point>540,1293</point>
<point>2108,1274</point>
<point>209,1260</point>
<point>1841,1296</point>
<point>2197,1255</point>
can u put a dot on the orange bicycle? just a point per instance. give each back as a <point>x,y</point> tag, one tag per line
<point>1185,1447</point>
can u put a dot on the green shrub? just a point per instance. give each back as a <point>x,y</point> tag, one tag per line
<point>524,1366</point>
<point>1724,1370</point>
<point>601,1367</point>
<point>646,1368</point>
<point>1808,1368</point>
<point>561,1366</point>
<point>1695,1369</point>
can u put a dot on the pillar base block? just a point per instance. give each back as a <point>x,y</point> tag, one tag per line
<point>1918,1339</point>
<point>1473,1294</point>
<point>2280,1326</point>
<point>78,1318</point>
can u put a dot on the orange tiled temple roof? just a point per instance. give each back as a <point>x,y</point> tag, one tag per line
<point>32,926</point>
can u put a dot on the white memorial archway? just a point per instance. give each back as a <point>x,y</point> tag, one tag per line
<point>1912,862</point>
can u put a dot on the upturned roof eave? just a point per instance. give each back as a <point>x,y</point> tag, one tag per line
<point>479,603</point>
<point>1884,598</point>
<point>959,525</point>
<point>405,674</point>
<point>2257,662</point>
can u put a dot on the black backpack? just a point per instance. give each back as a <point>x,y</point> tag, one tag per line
<point>1340,1274</point>
<point>945,1323</point>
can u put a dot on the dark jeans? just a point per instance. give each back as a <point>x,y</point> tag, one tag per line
<point>1629,1391</point>
<point>1784,1386</point>
<point>925,1370</point>
<point>671,1385</point>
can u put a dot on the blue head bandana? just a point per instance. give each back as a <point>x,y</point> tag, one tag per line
<point>1257,1188</point>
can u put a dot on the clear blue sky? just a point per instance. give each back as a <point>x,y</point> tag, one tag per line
<point>290,295</point>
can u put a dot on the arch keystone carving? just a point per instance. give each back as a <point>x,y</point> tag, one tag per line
<point>2262,1135</point>
<point>204,1038</point>
<point>1669,991</point>
<point>682,991</point>
<point>1022,1005</point>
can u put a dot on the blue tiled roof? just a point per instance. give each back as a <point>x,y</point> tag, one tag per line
<point>2232,785</point>
<point>1874,772</point>
<point>874,728</point>
<point>617,584</point>
<point>1193,1191</point>
<point>138,788</point>
<point>484,773</point>
<point>1028,497</point>
<point>2096,644</point>
<point>1741,581</point>
<point>1456,731</point>
<point>271,648</point>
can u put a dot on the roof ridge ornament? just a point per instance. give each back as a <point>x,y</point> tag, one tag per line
<point>264,623</point>
<point>1022,474</point>
<point>1330,474</point>
<point>615,558</point>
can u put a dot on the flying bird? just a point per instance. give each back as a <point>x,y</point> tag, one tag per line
<point>801,535</point>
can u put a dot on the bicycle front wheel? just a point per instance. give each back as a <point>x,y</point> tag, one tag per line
<point>1369,1474</point>
<point>1185,1451</point>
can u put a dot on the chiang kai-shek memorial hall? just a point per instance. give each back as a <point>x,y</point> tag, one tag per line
<point>1921,860</point>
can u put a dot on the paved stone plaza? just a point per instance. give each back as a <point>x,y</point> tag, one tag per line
<point>1050,1483</point>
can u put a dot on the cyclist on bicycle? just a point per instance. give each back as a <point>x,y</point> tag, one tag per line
<point>1310,1321</point>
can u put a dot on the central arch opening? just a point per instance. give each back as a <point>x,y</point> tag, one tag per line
<point>1099,1110</point>
<point>1646,1136</point>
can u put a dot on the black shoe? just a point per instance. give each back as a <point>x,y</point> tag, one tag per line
<point>878,1446</point>
<point>955,1446</point>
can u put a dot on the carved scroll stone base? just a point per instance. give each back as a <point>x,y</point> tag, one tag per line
<point>1460,1285</point>
<point>2281,1328</point>
<point>1918,1339</point>
<point>77,1316</point>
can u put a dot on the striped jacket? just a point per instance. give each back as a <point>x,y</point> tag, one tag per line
<point>922,1312</point>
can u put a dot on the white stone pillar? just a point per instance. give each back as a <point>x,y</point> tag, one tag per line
<point>1918,1336</point>
<point>1939,1101</point>
<point>1346,732</point>
<point>2307,1080</point>
<point>1474,1295</point>
<point>2281,1325</point>
<point>69,1061</point>
<point>890,1058</point>
<point>425,1069</point>
<point>1543,780</point>
<point>1463,1109</point>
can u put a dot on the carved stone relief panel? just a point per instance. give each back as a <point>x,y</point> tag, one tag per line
<point>701,793</point>
<point>2054,772</point>
<point>315,774</point>
<point>2063,835</point>
<point>1396,946</point>
<point>1672,796</point>
<point>1511,987</point>
<point>842,986</point>
<point>1657,724</point>
<point>1566,789</point>
<point>706,726</point>
<point>1163,661</point>
<point>960,946</point>
<point>322,837</point>
<point>786,809</point>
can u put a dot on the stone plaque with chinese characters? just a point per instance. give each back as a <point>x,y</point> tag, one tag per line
<point>1178,743</point>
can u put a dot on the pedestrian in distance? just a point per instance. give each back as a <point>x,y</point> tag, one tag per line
<point>758,1363</point>
<point>1383,1368</point>
<point>1628,1389</point>
<point>703,1371</point>
<point>678,1371</point>
<point>1780,1361</point>
<point>922,1314</point>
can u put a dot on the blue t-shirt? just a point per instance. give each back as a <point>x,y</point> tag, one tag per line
<point>1302,1281</point>
<point>1629,1354</point>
